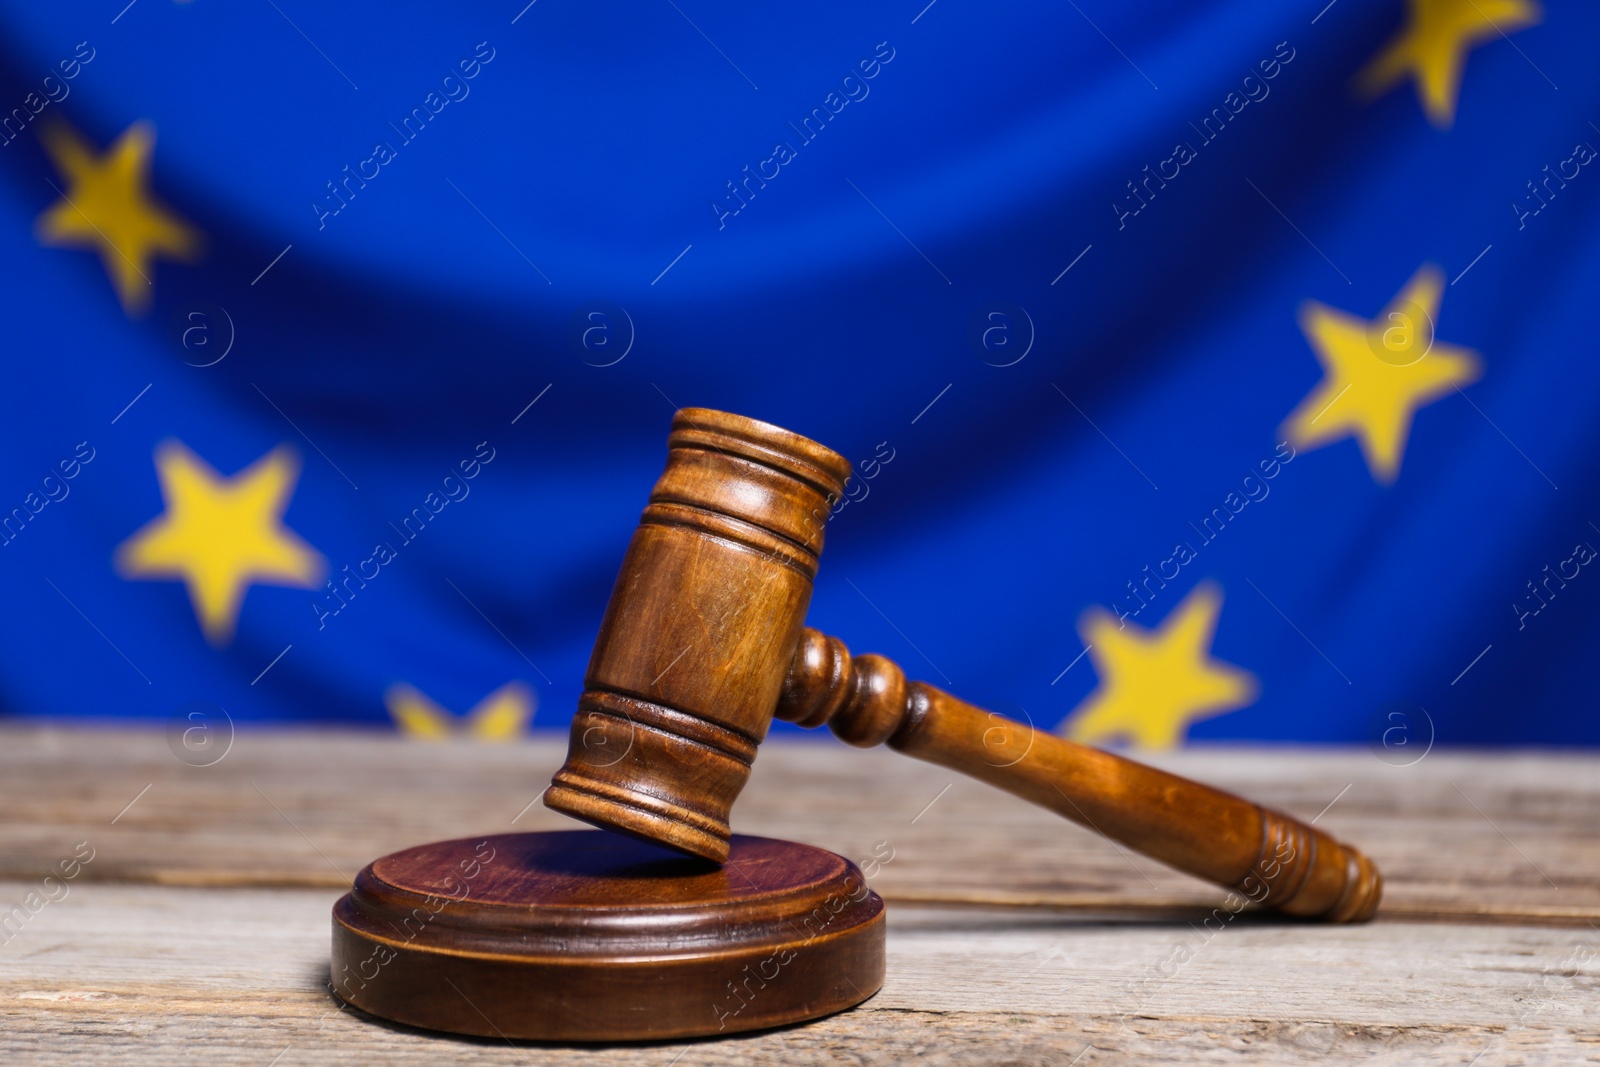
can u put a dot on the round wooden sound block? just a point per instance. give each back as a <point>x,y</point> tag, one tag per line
<point>591,936</point>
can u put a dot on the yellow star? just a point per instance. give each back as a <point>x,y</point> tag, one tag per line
<point>105,207</point>
<point>1377,374</point>
<point>221,535</point>
<point>1433,46</point>
<point>501,716</point>
<point>1155,683</point>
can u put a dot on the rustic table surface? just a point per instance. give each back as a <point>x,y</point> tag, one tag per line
<point>196,928</point>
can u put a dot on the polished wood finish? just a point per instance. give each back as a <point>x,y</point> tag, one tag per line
<point>701,646</point>
<point>1265,857</point>
<point>701,627</point>
<point>588,936</point>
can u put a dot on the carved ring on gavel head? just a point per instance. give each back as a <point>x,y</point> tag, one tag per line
<point>703,643</point>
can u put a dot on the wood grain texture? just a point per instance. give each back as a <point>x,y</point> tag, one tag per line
<point>118,974</point>
<point>1265,857</point>
<point>225,957</point>
<point>699,632</point>
<point>702,645</point>
<point>1460,836</point>
<point>590,936</point>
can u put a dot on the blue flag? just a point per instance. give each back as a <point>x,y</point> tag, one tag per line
<point>1209,373</point>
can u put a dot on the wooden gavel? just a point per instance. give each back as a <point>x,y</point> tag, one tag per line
<point>703,644</point>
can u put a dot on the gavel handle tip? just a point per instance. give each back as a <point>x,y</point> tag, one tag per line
<point>1267,858</point>
<point>1363,892</point>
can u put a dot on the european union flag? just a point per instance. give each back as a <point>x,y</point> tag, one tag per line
<point>1216,372</point>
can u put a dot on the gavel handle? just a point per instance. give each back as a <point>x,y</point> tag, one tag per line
<point>1266,857</point>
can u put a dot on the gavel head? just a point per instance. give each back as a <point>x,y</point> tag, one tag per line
<point>702,625</point>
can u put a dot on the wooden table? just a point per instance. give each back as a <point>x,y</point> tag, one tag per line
<point>199,930</point>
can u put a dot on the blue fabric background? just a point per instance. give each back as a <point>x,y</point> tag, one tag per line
<point>408,327</point>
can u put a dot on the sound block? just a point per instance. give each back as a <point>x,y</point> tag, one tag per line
<point>591,936</point>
